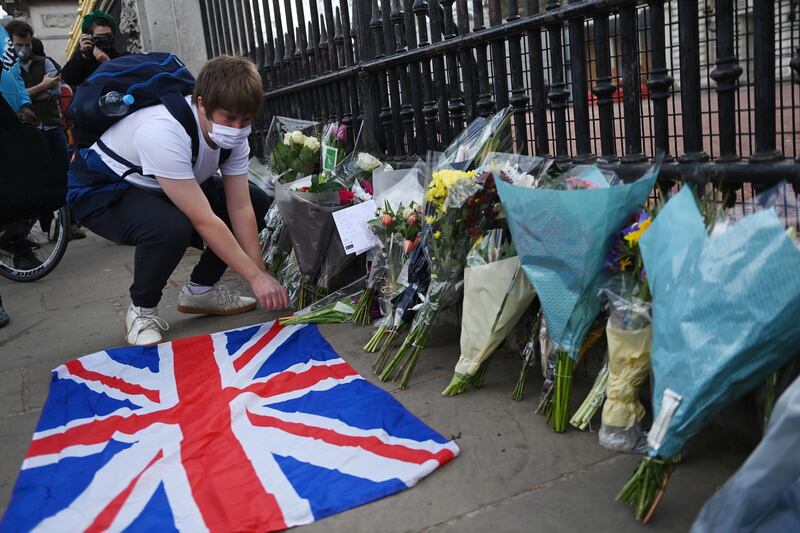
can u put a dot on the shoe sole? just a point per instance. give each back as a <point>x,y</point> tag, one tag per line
<point>144,345</point>
<point>215,312</point>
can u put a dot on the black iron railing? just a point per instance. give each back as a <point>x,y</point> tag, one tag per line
<point>712,84</point>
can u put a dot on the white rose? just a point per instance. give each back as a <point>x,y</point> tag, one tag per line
<point>366,162</point>
<point>312,144</point>
<point>407,212</point>
<point>287,139</point>
<point>298,137</point>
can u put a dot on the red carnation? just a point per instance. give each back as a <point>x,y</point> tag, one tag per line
<point>345,196</point>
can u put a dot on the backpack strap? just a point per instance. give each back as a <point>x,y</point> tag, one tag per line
<point>132,169</point>
<point>182,112</point>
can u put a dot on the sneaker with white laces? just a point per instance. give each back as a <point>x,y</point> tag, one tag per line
<point>216,301</point>
<point>143,325</point>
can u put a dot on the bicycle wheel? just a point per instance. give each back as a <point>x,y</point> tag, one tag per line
<point>31,249</point>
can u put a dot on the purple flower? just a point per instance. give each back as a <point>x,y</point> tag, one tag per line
<point>341,132</point>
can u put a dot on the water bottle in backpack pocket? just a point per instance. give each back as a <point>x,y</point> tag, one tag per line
<point>115,104</point>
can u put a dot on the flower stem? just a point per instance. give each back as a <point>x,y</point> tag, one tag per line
<point>372,343</point>
<point>389,371</point>
<point>363,307</point>
<point>457,385</point>
<point>479,377</point>
<point>519,388</point>
<point>561,392</point>
<point>408,369</point>
<point>646,486</point>
<point>593,401</point>
<point>545,406</point>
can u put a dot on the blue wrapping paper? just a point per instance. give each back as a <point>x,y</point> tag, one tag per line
<point>725,313</point>
<point>562,238</point>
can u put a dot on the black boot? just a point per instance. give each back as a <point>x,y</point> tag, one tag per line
<point>3,315</point>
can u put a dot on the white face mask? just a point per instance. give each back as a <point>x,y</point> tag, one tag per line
<point>227,137</point>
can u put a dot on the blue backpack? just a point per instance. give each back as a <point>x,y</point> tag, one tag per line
<point>151,79</point>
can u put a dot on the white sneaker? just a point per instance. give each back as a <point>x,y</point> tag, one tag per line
<point>216,301</point>
<point>144,325</point>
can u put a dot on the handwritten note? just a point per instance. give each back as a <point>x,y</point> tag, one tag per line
<point>351,223</point>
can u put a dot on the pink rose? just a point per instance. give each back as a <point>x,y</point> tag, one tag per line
<point>341,132</point>
<point>387,220</point>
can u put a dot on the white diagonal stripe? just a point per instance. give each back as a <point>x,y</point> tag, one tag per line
<point>296,510</point>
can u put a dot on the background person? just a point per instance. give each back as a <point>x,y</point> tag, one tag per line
<point>12,89</point>
<point>96,46</point>
<point>43,83</point>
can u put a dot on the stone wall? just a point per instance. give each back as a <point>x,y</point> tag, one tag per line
<point>171,26</point>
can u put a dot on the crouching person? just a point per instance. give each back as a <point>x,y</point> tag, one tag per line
<point>145,183</point>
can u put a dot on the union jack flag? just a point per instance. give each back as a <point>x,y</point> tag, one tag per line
<point>253,429</point>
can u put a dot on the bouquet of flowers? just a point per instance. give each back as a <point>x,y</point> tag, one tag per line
<point>307,206</point>
<point>334,138</point>
<point>496,294</point>
<point>291,151</point>
<point>481,137</point>
<point>415,278</point>
<point>398,193</point>
<point>563,237</point>
<point>460,205</point>
<point>738,326</point>
<point>629,334</point>
<point>395,228</point>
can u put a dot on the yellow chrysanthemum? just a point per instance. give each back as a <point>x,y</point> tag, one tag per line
<point>437,235</point>
<point>430,220</point>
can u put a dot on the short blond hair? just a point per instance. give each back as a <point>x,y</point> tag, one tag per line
<point>230,83</point>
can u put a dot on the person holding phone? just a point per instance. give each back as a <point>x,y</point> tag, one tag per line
<point>43,83</point>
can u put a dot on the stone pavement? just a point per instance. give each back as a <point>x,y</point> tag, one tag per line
<point>513,473</point>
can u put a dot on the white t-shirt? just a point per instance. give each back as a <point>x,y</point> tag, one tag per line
<point>153,139</point>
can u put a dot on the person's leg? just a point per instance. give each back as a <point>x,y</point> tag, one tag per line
<point>161,234</point>
<point>158,229</point>
<point>210,268</point>
<point>203,295</point>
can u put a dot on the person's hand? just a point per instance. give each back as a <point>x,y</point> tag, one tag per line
<point>99,55</point>
<point>27,115</point>
<point>269,293</point>
<point>48,82</point>
<point>86,44</point>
